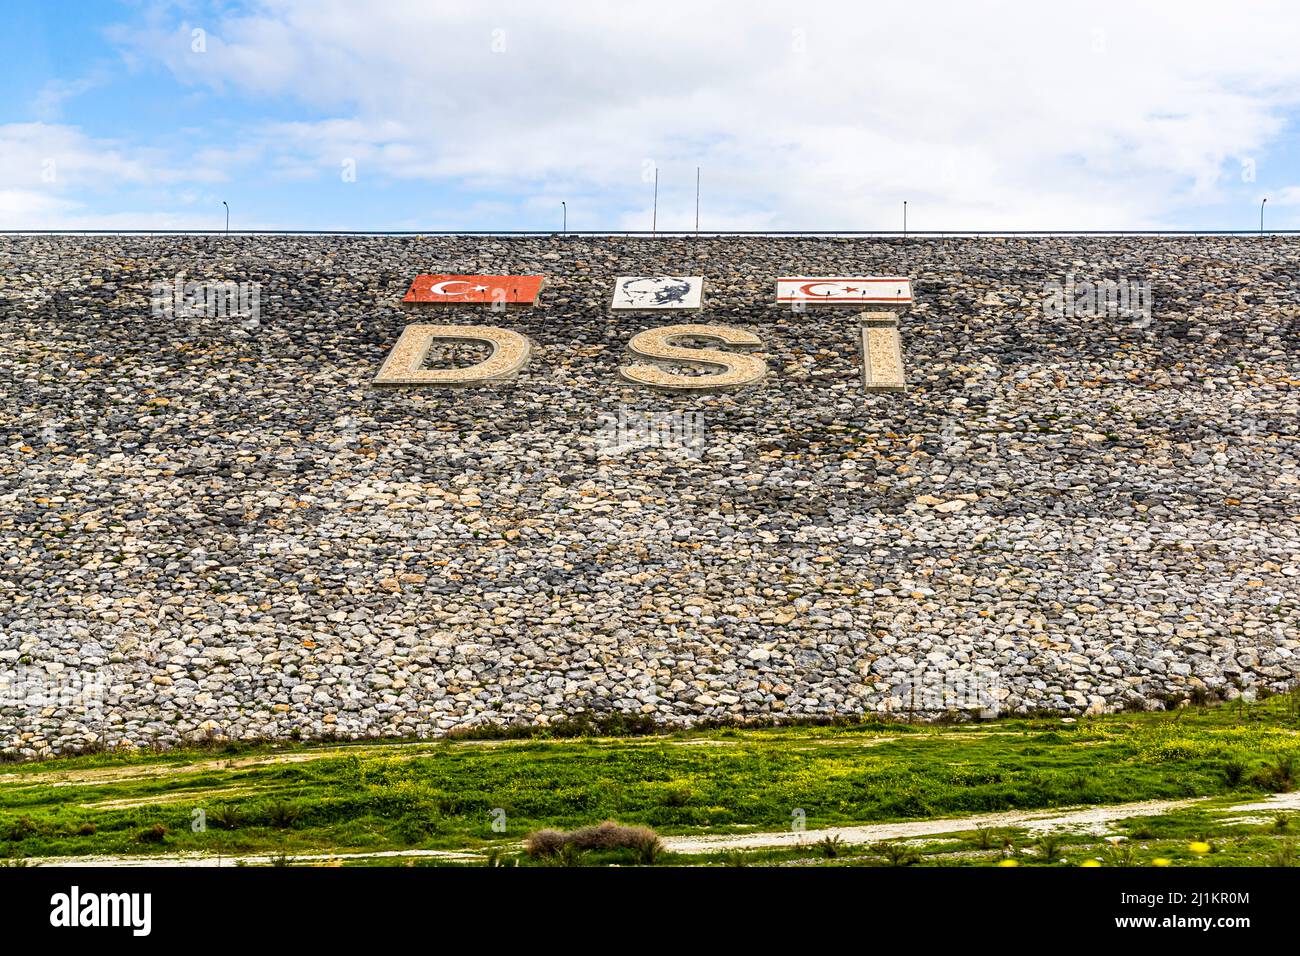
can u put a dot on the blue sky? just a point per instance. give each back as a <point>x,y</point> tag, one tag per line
<point>412,114</point>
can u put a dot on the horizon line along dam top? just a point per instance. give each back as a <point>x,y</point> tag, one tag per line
<point>657,349</point>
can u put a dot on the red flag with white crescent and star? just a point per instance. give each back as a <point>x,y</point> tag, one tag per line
<point>459,290</point>
<point>840,290</point>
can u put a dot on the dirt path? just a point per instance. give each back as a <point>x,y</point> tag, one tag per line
<point>406,750</point>
<point>1089,819</point>
<point>1086,819</point>
<point>199,859</point>
<point>106,775</point>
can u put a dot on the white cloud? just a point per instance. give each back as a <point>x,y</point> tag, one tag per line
<point>29,209</point>
<point>1290,196</point>
<point>54,173</point>
<point>57,156</point>
<point>810,114</point>
<point>49,102</point>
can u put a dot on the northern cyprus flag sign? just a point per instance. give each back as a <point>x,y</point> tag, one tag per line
<point>862,290</point>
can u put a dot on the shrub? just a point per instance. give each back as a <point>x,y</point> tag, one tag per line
<point>226,817</point>
<point>613,836</point>
<point>986,838</point>
<point>154,834</point>
<point>1283,772</point>
<point>568,856</point>
<point>544,843</point>
<point>1234,771</point>
<point>1278,776</point>
<point>20,829</point>
<point>677,795</point>
<point>1121,854</point>
<point>86,829</point>
<point>642,841</point>
<point>415,827</point>
<point>283,815</point>
<point>1049,847</point>
<point>648,853</point>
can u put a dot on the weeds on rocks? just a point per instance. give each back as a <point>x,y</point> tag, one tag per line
<point>1284,854</point>
<point>1049,847</point>
<point>897,854</point>
<point>830,846</point>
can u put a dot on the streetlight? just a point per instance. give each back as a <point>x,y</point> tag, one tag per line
<point>227,205</point>
<point>654,215</point>
<point>904,218</point>
<point>697,202</point>
<point>1261,215</point>
<point>565,210</point>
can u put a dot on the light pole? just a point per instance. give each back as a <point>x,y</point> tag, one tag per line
<point>1261,216</point>
<point>565,210</point>
<point>697,202</point>
<point>227,205</point>
<point>654,215</point>
<point>904,218</point>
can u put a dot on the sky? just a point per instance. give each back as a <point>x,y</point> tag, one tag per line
<point>423,114</point>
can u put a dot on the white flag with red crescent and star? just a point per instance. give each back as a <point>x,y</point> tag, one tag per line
<point>841,290</point>
<point>455,290</point>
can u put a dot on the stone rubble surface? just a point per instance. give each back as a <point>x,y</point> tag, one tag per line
<point>231,530</point>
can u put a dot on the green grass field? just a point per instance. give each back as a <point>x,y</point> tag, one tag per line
<point>294,799</point>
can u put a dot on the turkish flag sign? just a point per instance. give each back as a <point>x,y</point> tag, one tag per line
<point>461,290</point>
<point>866,290</point>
